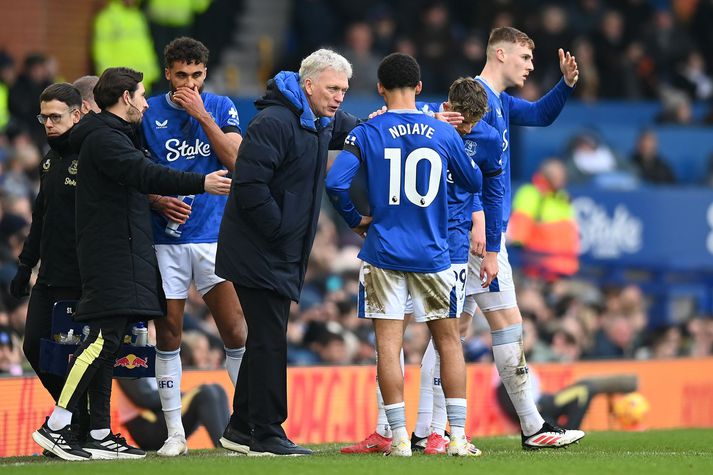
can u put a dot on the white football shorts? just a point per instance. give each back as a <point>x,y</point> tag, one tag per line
<point>383,294</point>
<point>500,294</point>
<point>182,263</point>
<point>461,274</point>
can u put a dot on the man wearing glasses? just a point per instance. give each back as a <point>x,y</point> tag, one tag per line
<point>52,235</point>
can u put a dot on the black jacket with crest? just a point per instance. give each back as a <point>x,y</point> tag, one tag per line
<point>117,261</point>
<point>52,239</point>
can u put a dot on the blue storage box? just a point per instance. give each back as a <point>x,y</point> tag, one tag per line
<point>130,362</point>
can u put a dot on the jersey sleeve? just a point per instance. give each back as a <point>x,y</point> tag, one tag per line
<point>477,202</point>
<point>340,176</point>
<point>343,124</point>
<point>493,190</point>
<point>338,182</point>
<point>228,120</point>
<point>489,151</point>
<point>542,112</point>
<point>463,169</point>
<point>354,143</point>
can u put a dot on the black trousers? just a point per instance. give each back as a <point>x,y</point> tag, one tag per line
<point>38,325</point>
<point>91,370</point>
<point>207,406</point>
<point>260,401</point>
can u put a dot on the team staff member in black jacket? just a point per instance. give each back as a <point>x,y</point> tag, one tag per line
<point>52,239</point>
<point>267,232</point>
<point>117,263</point>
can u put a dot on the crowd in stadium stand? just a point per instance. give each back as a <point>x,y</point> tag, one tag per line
<point>628,49</point>
<point>564,321</point>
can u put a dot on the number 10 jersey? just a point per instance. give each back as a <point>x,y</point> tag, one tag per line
<point>406,155</point>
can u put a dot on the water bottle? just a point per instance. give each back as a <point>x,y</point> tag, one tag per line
<point>139,335</point>
<point>68,338</point>
<point>172,226</point>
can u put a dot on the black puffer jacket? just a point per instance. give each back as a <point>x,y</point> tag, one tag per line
<point>271,216</point>
<point>117,261</point>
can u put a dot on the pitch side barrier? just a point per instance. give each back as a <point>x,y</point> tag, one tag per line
<point>337,404</point>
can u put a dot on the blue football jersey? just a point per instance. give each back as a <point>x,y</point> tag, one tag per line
<point>483,145</point>
<point>498,118</point>
<point>407,155</point>
<point>503,108</point>
<point>177,140</point>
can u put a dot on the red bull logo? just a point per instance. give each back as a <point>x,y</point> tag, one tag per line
<point>131,361</point>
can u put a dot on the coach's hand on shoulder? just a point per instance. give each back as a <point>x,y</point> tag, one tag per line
<point>171,208</point>
<point>20,284</point>
<point>216,183</point>
<point>568,66</point>
<point>378,112</point>
<point>363,226</point>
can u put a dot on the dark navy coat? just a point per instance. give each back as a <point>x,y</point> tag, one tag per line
<point>271,216</point>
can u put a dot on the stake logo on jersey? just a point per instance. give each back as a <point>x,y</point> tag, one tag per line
<point>177,140</point>
<point>406,155</point>
<point>177,149</point>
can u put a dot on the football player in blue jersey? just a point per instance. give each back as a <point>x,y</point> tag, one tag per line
<point>467,102</point>
<point>191,130</point>
<point>509,62</point>
<point>407,156</point>
<point>479,216</point>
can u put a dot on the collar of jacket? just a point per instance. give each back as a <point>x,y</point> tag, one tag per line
<point>288,83</point>
<point>116,122</point>
<point>60,144</point>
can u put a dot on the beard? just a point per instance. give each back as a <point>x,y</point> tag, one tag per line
<point>134,115</point>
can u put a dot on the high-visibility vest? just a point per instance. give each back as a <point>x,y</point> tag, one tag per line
<point>175,13</point>
<point>4,108</point>
<point>122,38</point>
<point>543,222</point>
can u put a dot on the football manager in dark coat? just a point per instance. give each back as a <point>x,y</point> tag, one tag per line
<point>117,264</point>
<point>267,233</point>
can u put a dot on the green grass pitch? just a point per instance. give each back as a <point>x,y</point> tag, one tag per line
<point>668,452</point>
